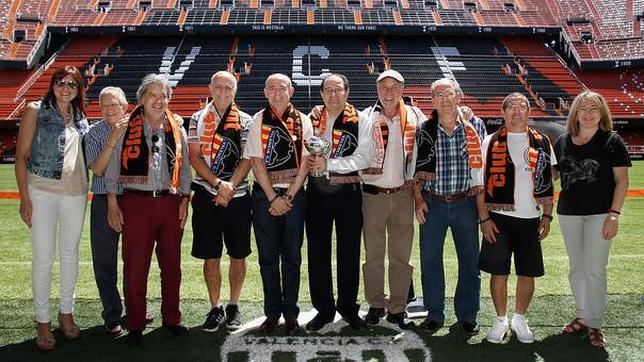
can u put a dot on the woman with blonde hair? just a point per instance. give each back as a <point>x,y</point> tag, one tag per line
<point>593,165</point>
<point>52,180</point>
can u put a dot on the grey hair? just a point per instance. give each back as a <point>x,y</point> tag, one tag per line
<point>115,91</point>
<point>506,101</point>
<point>447,81</point>
<point>152,79</point>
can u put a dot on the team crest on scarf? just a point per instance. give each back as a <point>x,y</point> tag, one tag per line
<point>276,138</point>
<point>226,152</point>
<point>342,142</point>
<point>221,143</point>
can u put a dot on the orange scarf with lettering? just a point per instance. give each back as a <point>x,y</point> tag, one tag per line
<point>135,157</point>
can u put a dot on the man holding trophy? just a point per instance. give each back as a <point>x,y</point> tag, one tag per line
<point>280,164</point>
<point>341,146</point>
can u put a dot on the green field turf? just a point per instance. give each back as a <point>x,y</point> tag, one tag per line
<point>552,306</point>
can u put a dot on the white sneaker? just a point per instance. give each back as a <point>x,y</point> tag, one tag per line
<point>498,331</point>
<point>521,329</point>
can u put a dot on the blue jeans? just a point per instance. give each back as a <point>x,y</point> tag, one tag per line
<point>461,217</point>
<point>279,238</point>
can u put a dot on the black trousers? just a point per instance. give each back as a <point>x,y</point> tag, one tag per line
<point>325,204</point>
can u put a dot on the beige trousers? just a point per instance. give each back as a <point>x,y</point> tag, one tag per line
<point>393,214</point>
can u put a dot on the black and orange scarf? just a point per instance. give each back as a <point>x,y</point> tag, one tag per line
<point>135,155</point>
<point>381,138</point>
<point>426,140</point>
<point>500,173</point>
<point>345,139</point>
<point>282,143</point>
<point>222,145</point>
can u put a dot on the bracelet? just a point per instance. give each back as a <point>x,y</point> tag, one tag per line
<point>483,221</point>
<point>110,146</point>
<point>273,199</point>
<point>549,217</point>
<point>613,211</point>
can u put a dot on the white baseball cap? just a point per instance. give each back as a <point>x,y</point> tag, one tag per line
<point>390,73</point>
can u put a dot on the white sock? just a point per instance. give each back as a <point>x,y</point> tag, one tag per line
<point>518,316</point>
<point>502,318</point>
<point>218,305</point>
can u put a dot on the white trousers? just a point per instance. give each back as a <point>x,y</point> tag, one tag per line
<point>49,212</point>
<point>588,257</point>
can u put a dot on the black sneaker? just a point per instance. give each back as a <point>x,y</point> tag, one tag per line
<point>213,319</point>
<point>233,317</point>
<point>374,315</point>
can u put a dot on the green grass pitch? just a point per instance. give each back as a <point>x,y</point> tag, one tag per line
<point>551,308</point>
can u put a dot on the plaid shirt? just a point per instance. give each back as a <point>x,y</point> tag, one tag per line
<point>452,171</point>
<point>95,140</point>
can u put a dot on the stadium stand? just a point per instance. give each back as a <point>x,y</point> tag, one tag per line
<point>548,49</point>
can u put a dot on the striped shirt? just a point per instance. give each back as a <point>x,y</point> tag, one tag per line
<point>196,130</point>
<point>452,170</point>
<point>95,140</point>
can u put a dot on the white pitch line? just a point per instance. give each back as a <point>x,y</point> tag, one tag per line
<point>200,263</point>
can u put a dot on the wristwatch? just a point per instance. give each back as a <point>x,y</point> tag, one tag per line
<point>217,184</point>
<point>288,197</point>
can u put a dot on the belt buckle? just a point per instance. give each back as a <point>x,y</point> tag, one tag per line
<point>156,193</point>
<point>449,198</point>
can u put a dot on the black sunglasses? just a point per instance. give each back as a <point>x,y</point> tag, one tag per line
<point>70,83</point>
<point>155,146</point>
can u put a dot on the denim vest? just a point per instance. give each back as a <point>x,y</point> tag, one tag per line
<point>48,145</point>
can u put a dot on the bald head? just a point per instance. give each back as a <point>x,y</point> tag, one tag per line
<point>224,74</point>
<point>223,87</point>
<point>278,90</point>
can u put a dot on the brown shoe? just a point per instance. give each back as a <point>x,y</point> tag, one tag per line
<point>67,325</point>
<point>44,337</point>
<point>292,327</point>
<point>269,325</point>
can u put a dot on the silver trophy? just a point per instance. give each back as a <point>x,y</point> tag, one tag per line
<point>317,147</point>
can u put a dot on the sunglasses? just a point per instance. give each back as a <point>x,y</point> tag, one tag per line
<point>156,143</point>
<point>69,83</point>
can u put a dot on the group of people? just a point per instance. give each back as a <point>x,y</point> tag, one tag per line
<point>384,166</point>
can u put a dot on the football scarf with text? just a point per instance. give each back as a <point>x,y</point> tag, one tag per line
<point>500,172</point>
<point>282,143</point>
<point>345,139</point>
<point>381,138</point>
<point>426,140</point>
<point>136,153</point>
<point>221,144</point>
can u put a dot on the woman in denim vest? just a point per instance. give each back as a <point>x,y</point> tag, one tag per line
<point>52,180</point>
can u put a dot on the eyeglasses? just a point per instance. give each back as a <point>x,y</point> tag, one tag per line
<point>445,95</point>
<point>338,90</point>
<point>69,83</point>
<point>155,143</point>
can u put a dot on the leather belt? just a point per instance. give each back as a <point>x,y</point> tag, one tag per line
<point>375,190</point>
<point>153,193</point>
<point>447,198</point>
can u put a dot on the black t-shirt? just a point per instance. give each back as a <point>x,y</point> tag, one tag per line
<point>586,171</point>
